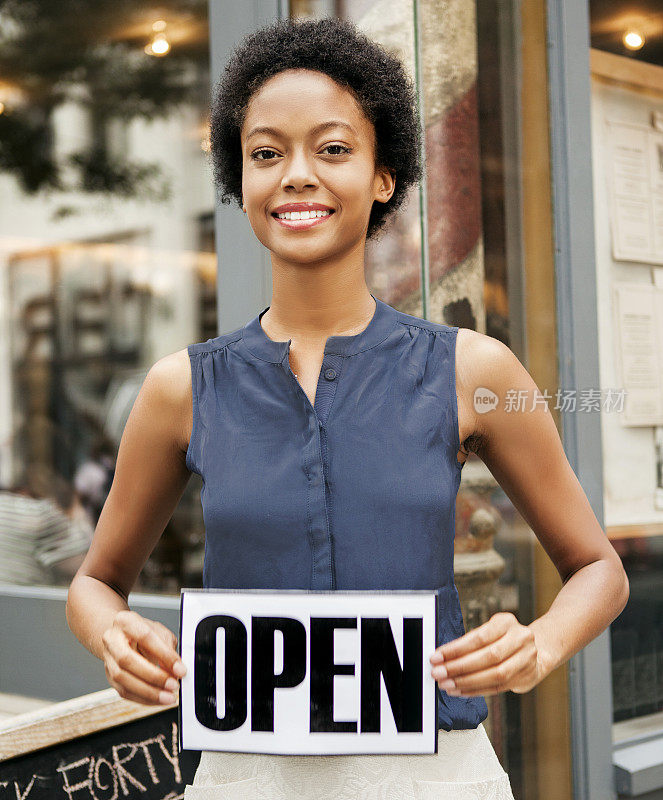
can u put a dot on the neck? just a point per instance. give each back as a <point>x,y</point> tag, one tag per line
<point>310,304</point>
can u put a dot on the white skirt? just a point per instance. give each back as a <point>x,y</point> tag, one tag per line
<point>465,767</point>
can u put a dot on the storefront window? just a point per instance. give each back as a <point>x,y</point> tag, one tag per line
<point>394,260</point>
<point>462,58</point>
<point>637,634</point>
<point>627,145</point>
<point>107,262</point>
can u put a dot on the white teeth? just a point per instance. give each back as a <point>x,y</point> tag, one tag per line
<point>303,214</point>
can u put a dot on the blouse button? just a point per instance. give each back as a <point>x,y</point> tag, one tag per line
<point>330,374</point>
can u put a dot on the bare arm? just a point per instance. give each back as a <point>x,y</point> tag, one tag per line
<point>524,452</point>
<point>150,478</point>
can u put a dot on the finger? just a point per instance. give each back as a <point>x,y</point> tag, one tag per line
<point>127,695</point>
<point>171,673</point>
<point>168,637</point>
<point>125,653</point>
<point>140,664</point>
<point>166,634</point>
<point>491,654</point>
<point>520,679</point>
<point>159,662</point>
<point>125,681</point>
<point>150,642</point>
<point>479,637</point>
<point>492,680</point>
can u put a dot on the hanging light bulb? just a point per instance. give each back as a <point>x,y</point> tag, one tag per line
<point>633,39</point>
<point>159,45</point>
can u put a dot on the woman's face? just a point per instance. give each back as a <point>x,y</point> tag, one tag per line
<point>307,144</point>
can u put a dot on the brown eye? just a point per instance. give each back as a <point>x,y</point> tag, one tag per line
<point>341,146</point>
<point>256,155</point>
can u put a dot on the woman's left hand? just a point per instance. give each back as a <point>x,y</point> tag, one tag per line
<point>497,656</point>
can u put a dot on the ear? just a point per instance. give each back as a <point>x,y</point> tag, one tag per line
<point>385,178</point>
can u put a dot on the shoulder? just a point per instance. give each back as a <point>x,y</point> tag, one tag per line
<point>481,356</point>
<point>486,372</point>
<point>475,352</point>
<point>411,321</point>
<point>169,376</point>
<point>480,359</point>
<point>167,388</point>
<point>216,343</point>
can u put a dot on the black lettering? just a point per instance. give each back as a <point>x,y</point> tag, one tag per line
<point>263,679</point>
<point>323,670</point>
<point>404,686</point>
<point>235,673</point>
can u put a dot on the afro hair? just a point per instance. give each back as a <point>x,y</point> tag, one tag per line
<point>335,47</point>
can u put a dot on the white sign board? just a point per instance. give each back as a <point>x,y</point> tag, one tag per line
<point>308,672</point>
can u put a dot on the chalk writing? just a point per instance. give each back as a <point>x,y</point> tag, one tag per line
<point>149,766</point>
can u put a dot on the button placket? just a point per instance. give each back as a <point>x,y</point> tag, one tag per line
<point>323,574</point>
<point>324,398</point>
<point>327,384</point>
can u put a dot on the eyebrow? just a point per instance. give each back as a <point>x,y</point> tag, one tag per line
<point>332,123</point>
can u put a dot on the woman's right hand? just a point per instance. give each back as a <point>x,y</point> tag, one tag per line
<point>141,659</point>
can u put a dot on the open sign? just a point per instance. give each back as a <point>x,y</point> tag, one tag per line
<point>308,672</point>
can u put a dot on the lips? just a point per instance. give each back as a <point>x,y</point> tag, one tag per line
<point>297,208</point>
<point>302,224</point>
<point>301,207</point>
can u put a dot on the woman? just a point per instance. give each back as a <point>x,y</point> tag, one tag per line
<point>328,431</point>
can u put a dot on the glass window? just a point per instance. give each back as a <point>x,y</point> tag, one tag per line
<point>108,264</point>
<point>627,151</point>
<point>464,61</point>
<point>394,261</point>
<point>637,634</point>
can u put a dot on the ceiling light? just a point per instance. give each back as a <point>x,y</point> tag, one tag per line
<point>633,39</point>
<point>159,45</point>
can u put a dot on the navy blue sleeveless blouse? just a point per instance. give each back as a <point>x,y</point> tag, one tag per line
<point>356,492</point>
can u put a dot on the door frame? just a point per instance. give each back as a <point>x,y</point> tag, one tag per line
<point>569,96</point>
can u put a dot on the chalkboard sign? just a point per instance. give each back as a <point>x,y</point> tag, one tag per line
<point>96,746</point>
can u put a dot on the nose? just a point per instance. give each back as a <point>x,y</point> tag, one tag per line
<point>299,172</point>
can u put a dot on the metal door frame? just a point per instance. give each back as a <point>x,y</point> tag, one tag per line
<point>569,92</point>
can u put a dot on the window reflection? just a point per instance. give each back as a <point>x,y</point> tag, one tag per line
<point>467,275</point>
<point>394,268</point>
<point>637,634</point>
<point>108,264</point>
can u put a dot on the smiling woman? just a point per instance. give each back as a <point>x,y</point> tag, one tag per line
<point>314,133</point>
<point>302,176</point>
<point>378,99</point>
<point>328,431</point>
